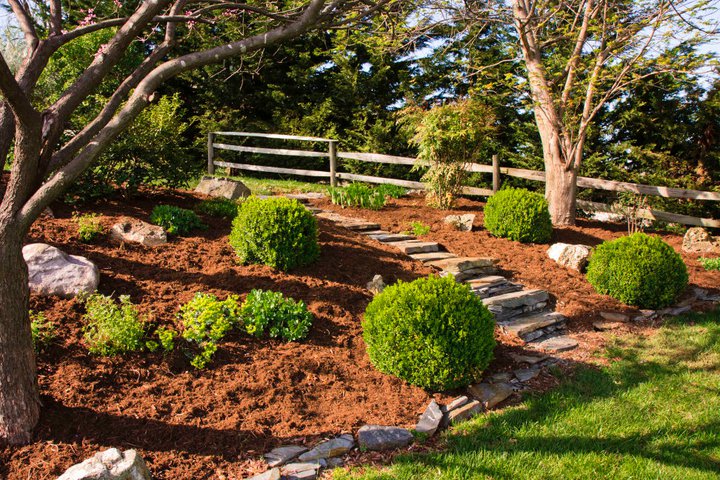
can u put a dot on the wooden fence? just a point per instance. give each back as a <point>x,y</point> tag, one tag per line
<point>333,155</point>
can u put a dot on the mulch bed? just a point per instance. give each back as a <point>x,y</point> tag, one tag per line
<point>259,393</point>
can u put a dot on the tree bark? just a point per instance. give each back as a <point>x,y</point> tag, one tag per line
<point>19,396</point>
<point>560,189</point>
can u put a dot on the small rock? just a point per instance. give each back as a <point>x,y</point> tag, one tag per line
<point>334,462</point>
<point>47,213</point>
<point>699,240</point>
<point>430,419</point>
<point>457,403</point>
<point>614,316</point>
<point>111,464</point>
<point>561,343</point>
<point>527,374</point>
<point>570,256</point>
<point>222,187</point>
<point>301,471</point>
<point>330,448</point>
<point>501,377</point>
<point>530,359</point>
<point>377,437</point>
<point>674,311</point>
<point>465,412</point>
<point>490,394</point>
<point>282,455</point>
<point>54,272</point>
<point>376,285</point>
<point>607,325</point>
<point>273,474</point>
<point>136,231</point>
<point>607,217</point>
<point>464,223</point>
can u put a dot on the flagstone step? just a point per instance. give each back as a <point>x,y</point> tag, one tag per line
<point>392,237</point>
<point>463,264</point>
<point>359,226</point>
<point>416,246</point>
<point>513,304</point>
<point>556,343</point>
<point>468,274</point>
<point>486,281</point>
<point>431,256</point>
<point>369,233</point>
<point>534,326</point>
<point>495,290</point>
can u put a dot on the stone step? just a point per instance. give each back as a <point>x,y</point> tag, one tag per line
<point>431,256</point>
<point>416,246</point>
<point>369,233</point>
<point>392,237</point>
<point>495,290</point>
<point>463,264</point>
<point>555,343</point>
<point>358,226</point>
<point>534,326</point>
<point>513,304</point>
<point>468,274</point>
<point>486,281</point>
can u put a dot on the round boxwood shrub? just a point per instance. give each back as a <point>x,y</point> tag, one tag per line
<point>638,270</point>
<point>277,231</point>
<point>519,215</point>
<point>433,333</point>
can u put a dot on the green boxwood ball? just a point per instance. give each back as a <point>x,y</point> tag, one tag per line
<point>519,215</point>
<point>638,270</point>
<point>278,232</point>
<point>432,332</point>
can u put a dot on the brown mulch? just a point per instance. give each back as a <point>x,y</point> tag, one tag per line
<point>259,393</point>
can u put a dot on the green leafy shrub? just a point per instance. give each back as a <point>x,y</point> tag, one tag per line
<point>433,333</point>
<point>392,191</point>
<point>519,215</point>
<point>206,320</point>
<point>419,229</point>
<point>42,329</point>
<point>281,317</point>
<point>358,195</point>
<point>166,340</point>
<point>638,270</point>
<point>278,232</point>
<point>89,226</point>
<point>175,220</point>
<point>218,207</point>
<point>710,263</point>
<point>112,329</point>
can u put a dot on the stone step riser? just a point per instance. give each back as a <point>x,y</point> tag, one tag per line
<point>496,290</point>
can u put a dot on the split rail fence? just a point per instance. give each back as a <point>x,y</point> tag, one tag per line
<point>333,175</point>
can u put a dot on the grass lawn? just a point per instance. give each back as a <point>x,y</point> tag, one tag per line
<point>653,413</point>
<point>270,186</point>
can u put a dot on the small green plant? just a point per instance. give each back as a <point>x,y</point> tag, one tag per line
<point>392,191</point>
<point>112,328</point>
<point>281,317</point>
<point>88,226</point>
<point>175,220</point>
<point>638,270</point>
<point>278,232</point>
<point>358,195</point>
<point>631,205</point>
<point>419,229</point>
<point>710,263</point>
<point>434,333</point>
<point>206,320</point>
<point>43,330</point>
<point>166,340</point>
<point>218,207</point>
<point>519,215</point>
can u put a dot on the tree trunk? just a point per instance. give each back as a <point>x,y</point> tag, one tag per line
<point>19,396</point>
<point>560,189</point>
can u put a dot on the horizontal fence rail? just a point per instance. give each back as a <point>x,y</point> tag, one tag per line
<point>333,175</point>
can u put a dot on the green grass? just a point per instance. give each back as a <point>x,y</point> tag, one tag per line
<point>654,413</point>
<point>268,186</point>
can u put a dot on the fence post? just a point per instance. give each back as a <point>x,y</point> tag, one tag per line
<point>332,151</point>
<point>496,173</point>
<point>211,154</point>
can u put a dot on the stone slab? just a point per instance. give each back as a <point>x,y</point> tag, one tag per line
<point>392,237</point>
<point>430,420</point>
<point>463,264</point>
<point>282,455</point>
<point>490,394</point>
<point>522,326</point>
<point>518,299</point>
<point>379,437</point>
<point>331,448</point>
<point>465,412</point>
<point>560,343</point>
<point>413,246</point>
<point>431,256</point>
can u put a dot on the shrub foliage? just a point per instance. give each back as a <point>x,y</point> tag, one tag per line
<point>519,215</point>
<point>433,332</point>
<point>358,195</point>
<point>278,232</point>
<point>638,270</point>
<point>112,328</point>
<point>218,207</point>
<point>175,220</point>
<point>206,320</point>
<point>89,226</point>
<point>281,317</point>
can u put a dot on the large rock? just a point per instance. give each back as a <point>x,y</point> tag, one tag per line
<point>377,437</point>
<point>490,395</point>
<point>136,231</point>
<point>223,187</point>
<point>699,240</point>
<point>112,464</point>
<point>570,256</point>
<point>464,223</point>
<point>430,420</point>
<point>54,272</point>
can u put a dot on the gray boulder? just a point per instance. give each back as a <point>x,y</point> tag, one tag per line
<point>136,231</point>
<point>570,256</point>
<point>222,187</point>
<point>699,240</point>
<point>112,464</point>
<point>377,437</point>
<point>54,272</point>
<point>430,419</point>
<point>464,223</point>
